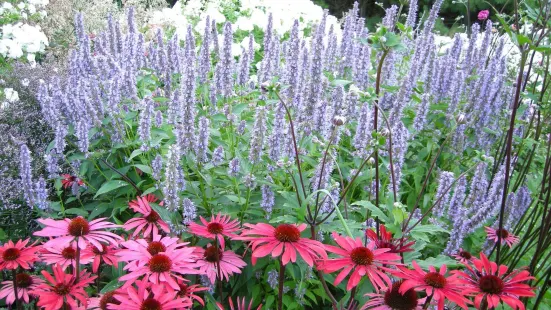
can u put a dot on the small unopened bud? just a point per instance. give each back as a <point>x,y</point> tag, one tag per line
<point>339,120</point>
<point>265,86</point>
<point>371,161</point>
<point>461,119</point>
<point>385,132</point>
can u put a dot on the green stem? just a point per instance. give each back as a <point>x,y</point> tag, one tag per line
<point>17,301</point>
<point>280,286</point>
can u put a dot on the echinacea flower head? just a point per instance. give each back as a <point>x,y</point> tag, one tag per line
<point>13,255</point>
<point>95,255</point>
<point>386,240</point>
<point>62,256</point>
<point>506,236</point>
<point>212,257</point>
<point>241,304</point>
<point>62,288</point>
<point>162,268</point>
<point>148,224</point>
<point>25,284</point>
<point>137,253</point>
<point>359,260</point>
<point>217,228</point>
<point>65,231</point>
<point>69,180</point>
<point>486,281</point>
<point>483,15</point>
<point>463,256</point>
<point>149,297</point>
<point>283,240</point>
<point>103,300</point>
<point>435,283</point>
<point>392,299</point>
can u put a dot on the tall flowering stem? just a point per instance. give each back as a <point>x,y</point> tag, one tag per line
<point>280,284</point>
<point>17,301</point>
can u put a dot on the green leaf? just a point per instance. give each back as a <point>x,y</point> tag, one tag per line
<point>429,229</point>
<point>437,262</point>
<point>77,211</point>
<point>340,82</point>
<point>98,210</point>
<point>134,154</point>
<point>236,199</point>
<point>111,286</point>
<point>110,186</point>
<point>374,210</point>
<point>144,168</point>
<point>162,211</point>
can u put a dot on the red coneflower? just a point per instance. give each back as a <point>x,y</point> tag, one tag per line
<point>241,305</point>
<point>360,260</point>
<point>284,239</point>
<point>69,180</point>
<point>392,299</point>
<point>386,241</point>
<point>62,289</point>
<point>210,258</point>
<point>63,256</point>
<point>463,256</point>
<point>148,296</point>
<point>65,231</point>
<point>17,255</point>
<point>106,254</point>
<point>217,228</point>
<point>492,284</point>
<point>134,251</point>
<point>160,268</point>
<point>435,283</point>
<point>506,237</point>
<point>150,222</point>
<point>25,284</point>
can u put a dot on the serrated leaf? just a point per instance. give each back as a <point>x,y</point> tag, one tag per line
<point>110,186</point>
<point>111,286</point>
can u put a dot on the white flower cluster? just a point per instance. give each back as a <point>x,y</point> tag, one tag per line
<point>247,14</point>
<point>10,96</point>
<point>21,39</point>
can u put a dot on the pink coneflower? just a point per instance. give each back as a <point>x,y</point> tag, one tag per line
<point>63,256</point>
<point>160,268</point>
<point>134,250</point>
<point>506,237</point>
<point>463,256</point>
<point>24,282</point>
<point>241,305</point>
<point>17,255</point>
<point>106,254</point>
<point>486,281</point>
<point>62,289</point>
<point>360,260</point>
<point>217,228</point>
<point>65,231</point>
<point>103,300</point>
<point>434,283</point>
<point>150,222</point>
<point>70,180</point>
<point>213,256</point>
<point>483,15</point>
<point>387,241</point>
<point>284,239</point>
<point>149,297</point>
<point>187,291</point>
<point>392,299</point>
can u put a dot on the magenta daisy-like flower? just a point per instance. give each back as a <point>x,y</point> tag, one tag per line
<point>359,260</point>
<point>150,222</point>
<point>506,237</point>
<point>134,251</point>
<point>13,255</point>
<point>463,256</point>
<point>486,281</point>
<point>217,228</point>
<point>103,300</point>
<point>211,257</point>
<point>25,284</point>
<point>106,254</point>
<point>63,256</point>
<point>189,292</point>
<point>62,288</point>
<point>161,268</point>
<point>283,240</point>
<point>435,283</point>
<point>241,305</point>
<point>65,231</point>
<point>147,296</point>
<point>392,299</point>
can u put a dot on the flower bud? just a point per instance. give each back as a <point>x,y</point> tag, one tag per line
<point>339,120</point>
<point>461,119</point>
